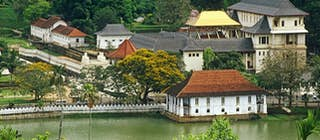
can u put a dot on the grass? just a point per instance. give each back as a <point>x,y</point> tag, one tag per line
<point>51,52</point>
<point>138,27</point>
<point>282,117</point>
<point>5,78</point>
<point>16,100</point>
<point>9,19</point>
<point>16,41</point>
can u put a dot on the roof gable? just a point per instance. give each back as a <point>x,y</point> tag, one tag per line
<point>68,31</point>
<point>212,18</point>
<point>261,27</point>
<point>215,83</point>
<point>114,30</point>
<point>46,23</point>
<point>268,7</point>
<point>125,48</point>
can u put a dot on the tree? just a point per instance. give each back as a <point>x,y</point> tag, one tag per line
<point>36,9</point>
<point>35,78</point>
<point>89,94</point>
<point>219,130</point>
<point>309,125</point>
<point>146,71</point>
<point>208,57</point>
<point>226,60</point>
<point>282,73</point>
<point>9,59</point>
<point>105,16</point>
<point>172,12</point>
<point>315,74</point>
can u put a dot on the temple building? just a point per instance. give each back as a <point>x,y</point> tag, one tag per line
<point>207,94</point>
<point>273,25</point>
<point>111,36</point>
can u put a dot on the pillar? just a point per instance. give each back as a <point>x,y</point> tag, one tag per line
<point>181,107</point>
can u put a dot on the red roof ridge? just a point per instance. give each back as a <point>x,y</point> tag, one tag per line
<point>217,82</point>
<point>125,48</point>
<point>68,31</point>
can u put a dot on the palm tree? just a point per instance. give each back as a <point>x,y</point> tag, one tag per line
<point>58,81</point>
<point>89,94</point>
<point>8,133</point>
<point>309,125</point>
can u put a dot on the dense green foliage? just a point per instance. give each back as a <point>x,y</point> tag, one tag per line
<point>309,125</point>
<point>282,71</point>
<point>219,130</point>
<point>228,60</point>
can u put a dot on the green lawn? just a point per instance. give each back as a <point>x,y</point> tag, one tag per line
<point>137,27</point>
<point>16,100</point>
<point>282,117</point>
<point>51,52</point>
<point>12,41</point>
<point>5,78</point>
<point>8,19</point>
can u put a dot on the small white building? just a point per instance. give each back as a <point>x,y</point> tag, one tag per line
<point>68,36</point>
<point>112,36</point>
<point>215,92</point>
<point>41,28</point>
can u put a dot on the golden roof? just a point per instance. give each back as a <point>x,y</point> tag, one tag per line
<point>212,18</point>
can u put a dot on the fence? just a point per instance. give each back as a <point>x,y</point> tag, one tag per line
<point>103,108</point>
<point>70,65</point>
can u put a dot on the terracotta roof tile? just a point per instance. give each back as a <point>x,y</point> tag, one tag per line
<point>68,31</point>
<point>46,23</point>
<point>215,83</point>
<point>125,48</point>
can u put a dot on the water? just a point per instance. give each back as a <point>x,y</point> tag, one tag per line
<point>149,128</point>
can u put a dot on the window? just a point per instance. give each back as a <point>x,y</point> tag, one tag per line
<point>222,110</point>
<point>197,54</point>
<point>196,101</point>
<point>208,110</point>
<point>77,40</point>
<point>238,100</point>
<point>222,101</point>
<point>120,40</point>
<point>263,53</point>
<point>259,53</point>
<point>197,111</point>
<point>249,99</point>
<point>295,23</point>
<point>113,40</point>
<point>208,101</point>
<point>193,54</point>
<point>282,23</point>
<point>275,23</point>
<point>264,40</point>
<point>237,109</point>
<point>249,108</point>
<point>189,54</point>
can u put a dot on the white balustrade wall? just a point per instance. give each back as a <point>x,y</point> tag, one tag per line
<point>107,108</point>
<point>70,65</point>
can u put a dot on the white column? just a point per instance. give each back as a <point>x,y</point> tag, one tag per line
<point>264,104</point>
<point>181,107</point>
<point>167,103</point>
<point>246,61</point>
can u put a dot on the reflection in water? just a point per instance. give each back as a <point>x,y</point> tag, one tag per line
<point>150,128</point>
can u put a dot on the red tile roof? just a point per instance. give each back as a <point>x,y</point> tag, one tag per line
<point>46,23</point>
<point>215,83</point>
<point>125,48</point>
<point>68,31</point>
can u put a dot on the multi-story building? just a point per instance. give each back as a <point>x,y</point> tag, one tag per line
<point>273,25</point>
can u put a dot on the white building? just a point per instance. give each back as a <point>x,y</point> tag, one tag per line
<point>68,36</point>
<point>215,92</point>
<point>42,28</point>
<point>112,36</point>
<point>273,25</point>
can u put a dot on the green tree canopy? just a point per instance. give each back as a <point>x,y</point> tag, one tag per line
<point>146,71</point>
<point>35,78</point>
<point>36,9</point>
<point>105,16</point>
<point>282,70</point>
